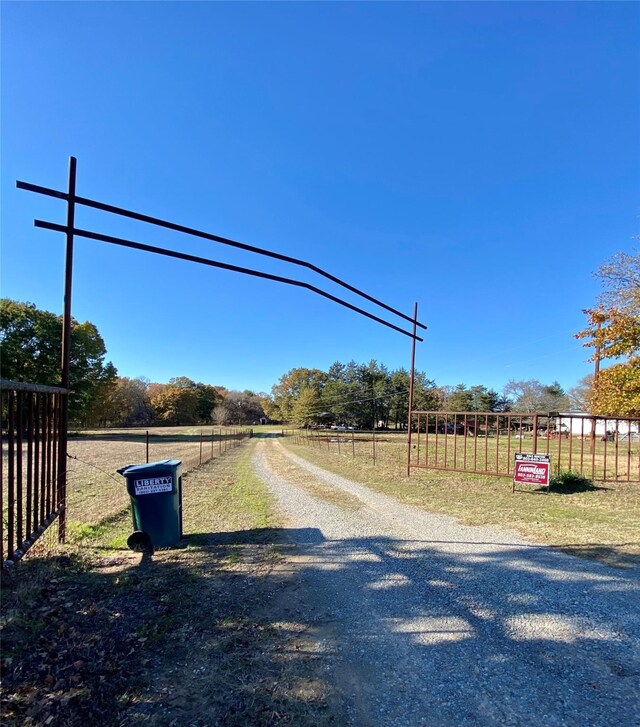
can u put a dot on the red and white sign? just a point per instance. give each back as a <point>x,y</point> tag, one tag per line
<point>532,469</point>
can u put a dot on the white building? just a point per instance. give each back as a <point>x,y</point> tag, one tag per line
<point>578,423</point>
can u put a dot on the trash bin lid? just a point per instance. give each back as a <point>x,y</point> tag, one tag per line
<point>162,464</point>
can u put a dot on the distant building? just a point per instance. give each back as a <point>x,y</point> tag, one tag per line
<point>580,423</point>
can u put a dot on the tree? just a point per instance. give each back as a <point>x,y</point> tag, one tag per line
<point>426,395</point>
<point>243,407</point>
<point>220,414</point>
<point>531,395</point>
<point>580,395</point>
<point>307,407</point>
<point>176,405</point>
<point>614,333</point>
<point>288,388</point>
<point>613,330</point>
<point>126,403</point>
<point>476,398</point>
<point>620,276</point>
<point>373,407</point>
<point>617,391</point>
<point>30,351</point>
<point>208,399</point>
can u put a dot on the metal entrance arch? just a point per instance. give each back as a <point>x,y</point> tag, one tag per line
<point>71,232</point>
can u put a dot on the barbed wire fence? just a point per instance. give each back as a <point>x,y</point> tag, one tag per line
<point>374,446</point>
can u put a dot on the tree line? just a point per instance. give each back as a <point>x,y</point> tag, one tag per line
<point>30,350</point>
<point>138,402</point>
<point>370,395</point>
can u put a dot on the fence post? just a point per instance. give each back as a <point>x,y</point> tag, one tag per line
<point>66,355</point>
<point>374,444</point>
<point>535,433</point>
<point>212,443</point>
<point>147,445</point>
<point>412,377</point>
<point>353,444</point>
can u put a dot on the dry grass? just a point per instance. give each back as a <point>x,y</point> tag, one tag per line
<point>97,495</point>
<point>602,523</point>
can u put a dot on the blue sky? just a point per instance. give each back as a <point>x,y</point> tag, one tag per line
<point>481,159</point>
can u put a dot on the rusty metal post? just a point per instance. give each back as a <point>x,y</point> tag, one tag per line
<point>29,518</point>
<point>1,499</point>
<point>11,495</point>
<point>66,353</point>
<point>596,376</point>
<point>411,384</point>
<point>19,478</point>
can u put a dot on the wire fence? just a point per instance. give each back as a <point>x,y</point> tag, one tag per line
<point>95,493</point>
<point>377,446</point>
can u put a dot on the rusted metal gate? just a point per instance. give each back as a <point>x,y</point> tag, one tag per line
<point>33,465</point>
<point>605,449</point>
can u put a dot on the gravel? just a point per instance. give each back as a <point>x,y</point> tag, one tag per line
<point>427,622</point>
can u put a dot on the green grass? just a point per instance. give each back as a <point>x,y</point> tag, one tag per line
<point>239,501</point>
<point>109,533</point>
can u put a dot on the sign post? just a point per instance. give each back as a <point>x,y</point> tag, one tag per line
<point>531,469</point>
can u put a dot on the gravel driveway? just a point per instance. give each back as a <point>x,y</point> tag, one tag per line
<point>426,622</point>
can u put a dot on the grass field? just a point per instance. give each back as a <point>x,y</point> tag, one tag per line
<point>603,523</point>
<point>96,493</point>
<point>605,461</point>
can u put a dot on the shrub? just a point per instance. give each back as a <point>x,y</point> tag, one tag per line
<point>568,481</point>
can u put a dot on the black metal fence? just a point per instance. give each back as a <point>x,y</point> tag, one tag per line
<point>33,471</point>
